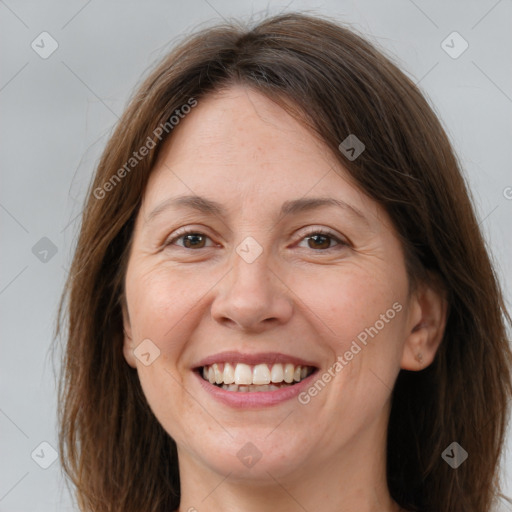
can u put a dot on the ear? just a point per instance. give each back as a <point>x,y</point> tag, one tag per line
<point>128,340</point>
<point>427,322</point>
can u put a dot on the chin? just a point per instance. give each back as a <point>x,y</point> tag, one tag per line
<point>255,457</point>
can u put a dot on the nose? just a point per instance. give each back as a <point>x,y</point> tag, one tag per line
<point>252,297</point>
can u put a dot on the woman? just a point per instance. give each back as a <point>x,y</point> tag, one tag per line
<point>280,297</point>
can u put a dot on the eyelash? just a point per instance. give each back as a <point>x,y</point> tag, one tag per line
<point>322,232</point>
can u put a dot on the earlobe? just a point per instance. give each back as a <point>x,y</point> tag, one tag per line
<point>426,328</point>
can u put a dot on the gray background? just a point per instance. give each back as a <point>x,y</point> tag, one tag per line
<point>56,117</point>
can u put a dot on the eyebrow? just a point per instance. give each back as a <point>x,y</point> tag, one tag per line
<point>293,207</point>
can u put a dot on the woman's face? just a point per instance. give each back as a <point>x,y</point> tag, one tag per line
<point>288,264</point>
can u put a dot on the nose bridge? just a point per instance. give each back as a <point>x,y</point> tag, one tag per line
<point>250,272</point>
<point>251,296</point>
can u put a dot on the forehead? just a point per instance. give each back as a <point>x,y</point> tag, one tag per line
<point>247,151</point>
<point>242,124</point>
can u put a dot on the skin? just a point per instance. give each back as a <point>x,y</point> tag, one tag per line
<point>301,296</point>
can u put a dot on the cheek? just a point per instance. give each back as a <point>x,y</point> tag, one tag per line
<point>161,301</point>
<point>362,325</point>
<point>360,314</point>
<point>162,305</point>
<point>346,301</point>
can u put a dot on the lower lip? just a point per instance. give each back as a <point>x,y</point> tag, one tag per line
<point>247,399</point>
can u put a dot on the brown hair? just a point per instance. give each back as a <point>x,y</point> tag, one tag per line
<point>113,448</point>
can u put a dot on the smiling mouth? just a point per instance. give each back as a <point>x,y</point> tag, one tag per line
<point>241,377</point>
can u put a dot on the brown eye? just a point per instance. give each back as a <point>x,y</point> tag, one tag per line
<point>322,241</point>
<point>193,240</point>
<point>190,240</point>
<point>319,241</point>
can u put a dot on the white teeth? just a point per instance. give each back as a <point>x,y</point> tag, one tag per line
<point>277,373</point>
<point>261,374</point>
<point>244,377</point>
<point>243,374</point>
<point>289,370</point>
<point>218,374</point>
<point>234,387</point>
<point>229,374</point>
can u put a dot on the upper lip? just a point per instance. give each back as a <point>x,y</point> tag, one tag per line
<point>253,359</point>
